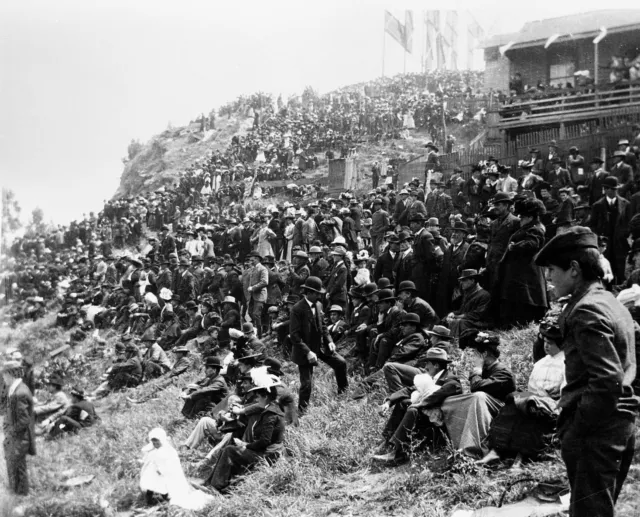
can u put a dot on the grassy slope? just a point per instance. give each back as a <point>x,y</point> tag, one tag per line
<point>329,473</point>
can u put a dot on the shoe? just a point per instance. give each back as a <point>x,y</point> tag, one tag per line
<point>384,458</point>
<point>393,459</point>
<point>383,448</point>
<point>358,394</point>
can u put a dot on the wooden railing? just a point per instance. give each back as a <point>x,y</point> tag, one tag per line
<point>567,105</point>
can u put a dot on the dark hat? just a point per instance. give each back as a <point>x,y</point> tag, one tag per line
<point>356,292</point>
<point>597,159</point>
<point>578,237</point>
<point>404,236</point>
<point>56,380</point>
<point>370,289</point>
<point>441,332</point>
<point>493,173</point>
<point>460,226</point>
<point>197,258</point>
<point>418,217</point>
<point>410,318</point>
<point>247,328</point>
<point>213,362</point>
<point>491,159</point>
<point>249,359</point>
<point>556,159</point>
<point>526,165</point>
<point>77,392</point>
<point>468,273</point>
<point>619,154</point>
<point>164,227</point>
<point>551,332</point>
<point>269,259</point>
<point>130,347</point>
<point>184,261</point>
<point>393,238</point>
<point>377,201</point>
<point>256,255</point>
<point>313,283</point>
<point>533,150</point>
<point>432,146</point>
<point>610,182</point>
<point>502,197</point>
<point>530,207</point>
<point>386,295</point>
<point>407,285</point>
<point>190,305</point>
<point>383,283</point>
<point>437,354</point>
<point>274,367</point>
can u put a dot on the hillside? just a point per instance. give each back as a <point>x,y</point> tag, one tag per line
<point>161,158</point>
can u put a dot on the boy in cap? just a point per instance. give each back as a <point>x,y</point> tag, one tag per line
<point>598,407</point>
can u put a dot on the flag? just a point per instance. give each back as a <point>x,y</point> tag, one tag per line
<point>408,31</point>
<point>432,21</point>
<point>551,39</point>
<point>394,28</point>
<point>474,36</point>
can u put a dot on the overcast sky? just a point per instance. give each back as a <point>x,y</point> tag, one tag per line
<point>80,79</point>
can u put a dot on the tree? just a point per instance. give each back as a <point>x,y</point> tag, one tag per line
<point>10,216</point>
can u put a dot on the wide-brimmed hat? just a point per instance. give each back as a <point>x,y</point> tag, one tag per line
<point>468,273</point>
<point>313,283</point>
<point>432,146</point>
<point>619,154</point>
<point>460,226</point>
<point>502,197</point>
<point>336,308</point>
<point>301,254</point>
<point>407,285</point>
<point>440,331</point>
<point>386,295</point>
<point>362,255</point>
<point>315,249</point>
<point>551,332</point>
<point>190,305</point>
<point>437,354</point>
<point>231,300</point>
<point>577,237</point>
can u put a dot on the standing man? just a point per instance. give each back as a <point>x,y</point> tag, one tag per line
<point>310,340</point>
<point>502,228</point>
<point>18,428</point>
<point>375,174</point>
<point>258,282</point>
<point>380,222</point>
<point>598,407</point>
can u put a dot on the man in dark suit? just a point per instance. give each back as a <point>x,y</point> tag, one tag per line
<point>186,282</point>
<point>598,407</point>
<point>337,279</point>
<point>19,428</point>
<point>387,260</point>
<point>408,421</point>
<point>623,171</point>
<point>502,228</point>
<point>310,341</point>
<point>610,217</point>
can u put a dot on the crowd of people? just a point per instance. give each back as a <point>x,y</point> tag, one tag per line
<point>393,281</point>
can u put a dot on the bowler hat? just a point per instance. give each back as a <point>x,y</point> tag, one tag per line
<point>619,154</point>
<point>468,273</point>
<point>610,182</point>
<point>410,318</point>
<point>256,255</point>
<point>386,295</point>
<point>274,367</point>
<point>460,226</point>
<point>190,305</point>
<point>597,159</point>
<point>383,283</point>
<point>437,354</point>
<point>440,331</point>
<point>247,328</point>
<point>418,217</point>
<point>404,236</point>
<point>407,285</point>
<point>370,289</point>
<point>313,283</point>
<point>213,362</point>
<point>578,237</point>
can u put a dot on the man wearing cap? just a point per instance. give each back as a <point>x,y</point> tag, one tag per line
<point>186,289</point>
<point>412,303</point>
<point>409,421</point>
<point>474,308</point>
<point>502,228</point>
<point>337,279</point>
<point>207,392</point>
<point>379,224</point>
<point>318,266</point>
<point>258,282</point>
<point>576,167</point>
<point>622,171</point>
<point>452,261</point>
<point>598,407</point>
<point>18,428</point>
<point>610,217</point>
<point>80,414</point>
<point>311,341</point>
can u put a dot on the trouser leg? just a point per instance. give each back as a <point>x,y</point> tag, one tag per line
<point>339,367</point>
<point>306,385</point>
<point>205,425</point>
<point>399,375</point>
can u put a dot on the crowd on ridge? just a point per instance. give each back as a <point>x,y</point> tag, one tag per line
<point>392,281</point>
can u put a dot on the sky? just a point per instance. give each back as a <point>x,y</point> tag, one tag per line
<point>80,78</point>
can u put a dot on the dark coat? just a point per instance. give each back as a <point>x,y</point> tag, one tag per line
<point>297,277</point>
<point>408,348</point>
<point>19,423</point>
<point>308,333</point>
<point>496,380</point>
<point>187,287</point>
<point>337,283</point>
<point>384,266</point>
<point>404,268</point>
<point>616,230</point>
<point>269,429</point>
<point>520,279</point>
<point>448,281</point>
<point>428,317</point>
<point>426,265</point>
<point>600,362</point>
<point>501,231</point>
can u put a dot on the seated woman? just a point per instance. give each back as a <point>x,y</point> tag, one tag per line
<point>162,478</point>
<point>521,425</point>
<point>261,441</point>
<point>467,418</point>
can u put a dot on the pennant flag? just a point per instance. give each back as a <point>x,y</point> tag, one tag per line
<point>601,36</point>
<point>432,21</point>
<point>551,39</point>
<point>394,28</point>
<point>408,31</point>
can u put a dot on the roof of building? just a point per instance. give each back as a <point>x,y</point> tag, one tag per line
<point>573,26</point>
